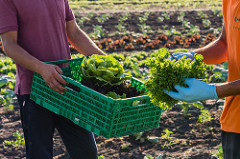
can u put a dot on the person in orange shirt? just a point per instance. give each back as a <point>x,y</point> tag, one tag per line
<point>226,47</point>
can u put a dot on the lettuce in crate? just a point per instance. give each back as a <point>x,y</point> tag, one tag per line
<point>104,70</point>
<point>106,75</point>
<point>166,73</point>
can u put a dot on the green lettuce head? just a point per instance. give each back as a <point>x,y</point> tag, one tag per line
<point>104,70</point>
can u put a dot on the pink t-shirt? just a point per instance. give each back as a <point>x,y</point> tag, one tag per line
<point>41,26</point>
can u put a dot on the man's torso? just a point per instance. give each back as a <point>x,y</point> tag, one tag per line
<point>42,33</point>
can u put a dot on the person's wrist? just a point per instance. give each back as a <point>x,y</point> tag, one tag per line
<point>40,67</point>
<point>192,52</point>
<point>213,91</point>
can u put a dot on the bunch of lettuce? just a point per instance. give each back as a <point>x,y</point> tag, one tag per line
<point>166,73</point>
<point>103,70</point>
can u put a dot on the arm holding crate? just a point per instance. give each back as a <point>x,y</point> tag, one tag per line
<point>50,73</point>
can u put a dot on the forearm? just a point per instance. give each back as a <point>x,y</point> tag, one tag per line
<point>82,42</point>
<point>228,89</point>
<point>22,57</point>
<point>215,52</point>
<point>50,73</point>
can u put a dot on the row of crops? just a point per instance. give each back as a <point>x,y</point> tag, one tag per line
<point>85,5</point>
<point>151,30</point>
<point>151,22</point>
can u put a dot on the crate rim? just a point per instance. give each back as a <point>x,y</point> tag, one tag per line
<point>72,81</point>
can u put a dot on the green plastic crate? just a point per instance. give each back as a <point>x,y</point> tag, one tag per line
<point>94,111</point>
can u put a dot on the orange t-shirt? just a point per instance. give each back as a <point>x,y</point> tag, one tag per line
<point>230,119</point>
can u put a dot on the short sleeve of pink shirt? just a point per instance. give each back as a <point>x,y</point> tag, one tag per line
<point>41,26</point>
<point>8,16</point>
<point>69,13</point>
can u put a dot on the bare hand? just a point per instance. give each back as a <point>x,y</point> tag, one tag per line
<point>50,74</point>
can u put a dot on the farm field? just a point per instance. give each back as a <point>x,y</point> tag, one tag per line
<point>141,5</point>
<point>131,31</point>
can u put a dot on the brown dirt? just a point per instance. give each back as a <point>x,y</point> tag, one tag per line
<point>118,89</point>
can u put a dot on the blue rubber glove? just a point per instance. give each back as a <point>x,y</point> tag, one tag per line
<point>197,91</point>
<point>181,54</point>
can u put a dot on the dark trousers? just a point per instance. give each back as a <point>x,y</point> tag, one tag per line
<point>231,145</point>
<point>38,125</point>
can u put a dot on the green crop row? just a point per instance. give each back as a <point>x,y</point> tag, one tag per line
<point>143,4</point>
<point>7,83</point>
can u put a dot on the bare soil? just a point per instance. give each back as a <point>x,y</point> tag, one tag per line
<point>118,89</point>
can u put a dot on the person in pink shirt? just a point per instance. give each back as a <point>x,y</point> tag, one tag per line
<point>32,33</point>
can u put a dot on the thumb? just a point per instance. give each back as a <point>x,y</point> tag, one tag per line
<point>172,94</point>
